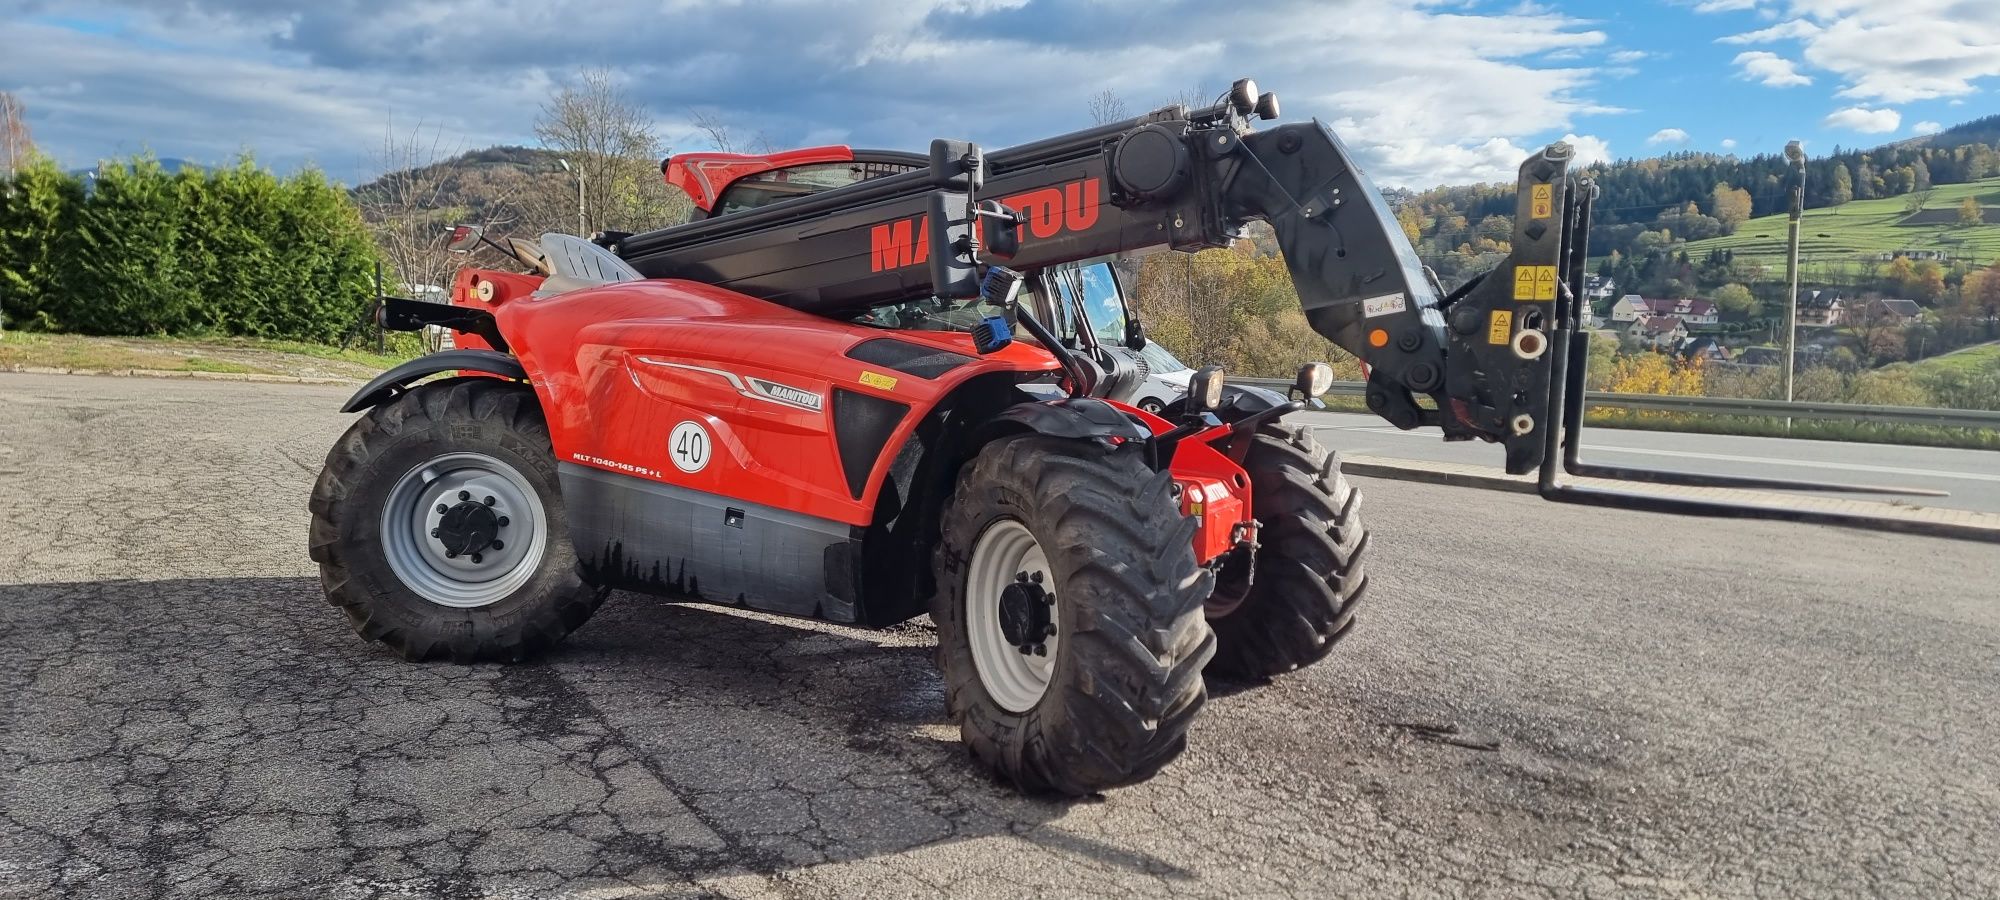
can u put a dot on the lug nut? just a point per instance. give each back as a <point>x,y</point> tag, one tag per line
<point>497,545</point>
<point>1036,578</point>
<point>503,521</point>
<point>475,557</point>
<point>464,495</point>
<point>442,509</point>
<point>1041,649</point>
<point>434,532</point>
<point>451,554</point>
<point>489,500</point>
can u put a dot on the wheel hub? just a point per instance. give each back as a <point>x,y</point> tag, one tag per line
<point>1010,615</point>
<point>464,530</point>
<point>468,528</point>
<point>1024,614</point>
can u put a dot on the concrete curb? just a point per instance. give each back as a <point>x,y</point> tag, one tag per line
<point>171,373</point>
<point>1929,521</point>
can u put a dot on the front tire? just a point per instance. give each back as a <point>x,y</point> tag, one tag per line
<point>1307,577</point>
<point>1108,700</point>
<point>439,528</point>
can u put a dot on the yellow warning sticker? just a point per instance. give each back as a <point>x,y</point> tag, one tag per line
<point>1534,282</point>
<point>878,380</point>
<point>1542,201</point>
<point>1502,328</point>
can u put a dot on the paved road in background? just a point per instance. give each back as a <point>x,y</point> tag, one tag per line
<point>1972,476</point>
<point>1680,707</point>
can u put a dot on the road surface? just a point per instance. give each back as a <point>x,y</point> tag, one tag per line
<point>1971,476</point>
<point>1676,707</point>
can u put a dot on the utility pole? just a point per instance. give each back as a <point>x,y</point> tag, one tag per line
<point>582,230</point>
<point>1796,156</point>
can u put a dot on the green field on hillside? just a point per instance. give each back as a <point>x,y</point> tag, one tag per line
<point>1856,231</point>
<point>1967,360</point>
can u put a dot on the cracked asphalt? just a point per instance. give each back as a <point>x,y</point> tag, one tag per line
<point>1680,707</point>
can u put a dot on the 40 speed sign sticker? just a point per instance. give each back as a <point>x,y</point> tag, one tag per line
<point>689,447</point>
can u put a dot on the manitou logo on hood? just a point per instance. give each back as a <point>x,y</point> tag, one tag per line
<point>1049,211</point>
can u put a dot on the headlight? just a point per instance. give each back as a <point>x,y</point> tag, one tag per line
<point>1205,389</point>
<point>1315,379</point>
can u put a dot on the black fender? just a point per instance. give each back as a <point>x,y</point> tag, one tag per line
<point>388,384</point>
<point>1239,402</point>
<point>1068,417</point>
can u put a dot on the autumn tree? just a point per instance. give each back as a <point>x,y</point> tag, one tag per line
<point>1736,299</point>
<point>1731,205</point>
<point>1970,213</point>
<point>1843,185</point>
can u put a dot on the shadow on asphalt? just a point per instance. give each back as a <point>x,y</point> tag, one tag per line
<point>658,739</point>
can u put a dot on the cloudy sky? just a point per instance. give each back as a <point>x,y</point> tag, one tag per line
<point>1428,91</point>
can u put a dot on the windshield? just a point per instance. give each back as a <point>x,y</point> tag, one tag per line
<point>1160,360</point>
<point>935,314</point>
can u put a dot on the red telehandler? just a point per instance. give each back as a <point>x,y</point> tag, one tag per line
<point>863,387</point>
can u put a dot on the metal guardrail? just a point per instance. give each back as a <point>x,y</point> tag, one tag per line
<point>1729,406</point>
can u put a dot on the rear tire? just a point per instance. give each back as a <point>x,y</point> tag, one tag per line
<point>1110,703</point>
<point>1307,577</point>
<point>387,482</point>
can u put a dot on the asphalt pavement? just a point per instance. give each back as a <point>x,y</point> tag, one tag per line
<point>1539,700</point>
<point>1971,477</point>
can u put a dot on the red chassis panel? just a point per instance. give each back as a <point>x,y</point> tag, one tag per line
<point>620,366</point>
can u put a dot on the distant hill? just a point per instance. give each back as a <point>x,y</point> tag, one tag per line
<point>480,185</point>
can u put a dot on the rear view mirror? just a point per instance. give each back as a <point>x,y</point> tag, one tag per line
<point>465,238</point>
<point>999,230</point>
<point>957,166</point>
<point>948,229</point>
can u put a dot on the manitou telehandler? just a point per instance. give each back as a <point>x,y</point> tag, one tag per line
<point>865,387</point>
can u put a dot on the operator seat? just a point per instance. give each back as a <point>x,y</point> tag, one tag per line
<point>578,263</point>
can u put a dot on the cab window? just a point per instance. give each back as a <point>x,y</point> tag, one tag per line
<point>1103,304</point>
<point>765,188</point>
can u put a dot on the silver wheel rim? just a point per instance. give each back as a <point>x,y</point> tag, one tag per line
<point>1015,680</point>
<point>422,562</point>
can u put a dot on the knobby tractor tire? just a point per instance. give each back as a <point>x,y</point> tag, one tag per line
<point>1130,646</point>
<point>487,416</point>
<point>1308,577</point>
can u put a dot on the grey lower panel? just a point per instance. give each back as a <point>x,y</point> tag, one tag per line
<point>660,539</point>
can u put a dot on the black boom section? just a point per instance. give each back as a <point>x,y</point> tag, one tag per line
<point>861,427</point>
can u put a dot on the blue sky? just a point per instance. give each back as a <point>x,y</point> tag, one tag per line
<point>1428,92</point>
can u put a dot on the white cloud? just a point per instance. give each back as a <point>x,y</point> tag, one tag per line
<point>1590,149</point>
<point>1926,127</point>
<point>1894,52</point>
<point>202,78</point>
<point>1728,143</point>
<point>1770,69</point>
<point>1622,57</point>
<point>1866,121</point>
<point>1668,136</point>
<point>1711,6</point>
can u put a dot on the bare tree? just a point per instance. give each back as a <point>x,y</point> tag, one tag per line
<point>406,210</point>
<point>609,142</point>
<point>15,144</point>
<point>1106,107</point>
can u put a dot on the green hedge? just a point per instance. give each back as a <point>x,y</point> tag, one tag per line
<point>138,251</point>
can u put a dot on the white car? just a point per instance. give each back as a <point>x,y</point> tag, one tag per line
<point>1166,380</point>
